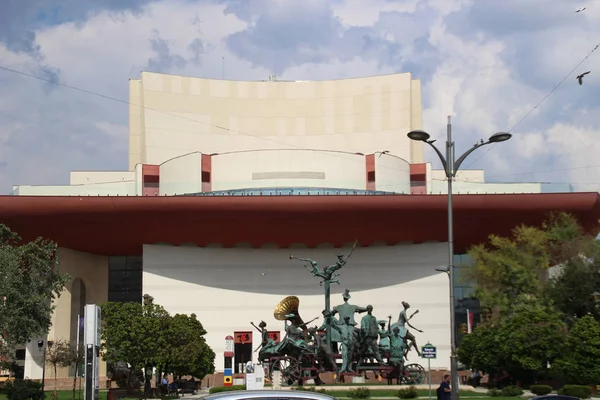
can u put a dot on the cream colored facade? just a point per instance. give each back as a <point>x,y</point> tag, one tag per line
<point>88,286</point>
<point>273,134</point>
<point>230,287</point>
<point>174,115</point>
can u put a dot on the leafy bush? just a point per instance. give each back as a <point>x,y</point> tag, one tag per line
<point>581,391</point>
<point>21,389</point>
<point>541,390</point>
<point>360,393</point>
<point>219,389</point>
<point>408,393</point>
<point>493,392</point>
<point>511,391</point>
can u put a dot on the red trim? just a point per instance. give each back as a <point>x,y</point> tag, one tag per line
<point>206,172</point>
<point>370,165</point>
<point>242,337</point>
<point>418,178</point>
<point>150,179</point>
<point>275,336</point>
<point>121,225</point>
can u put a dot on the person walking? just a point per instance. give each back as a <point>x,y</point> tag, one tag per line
<point>444,392</point>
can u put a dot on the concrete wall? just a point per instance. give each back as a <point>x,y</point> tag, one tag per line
<point>228,288</point>
<point>441,187</point>
<point>185,114</point>
<point>99,189</point>
<point>93,272</point>
<point>392,174</point>
<point>467,175</point>
<point>288,168</point>
<point>94,177</point>
<point>182,175</point>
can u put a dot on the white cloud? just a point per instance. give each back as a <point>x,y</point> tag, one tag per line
<point>488,75</point>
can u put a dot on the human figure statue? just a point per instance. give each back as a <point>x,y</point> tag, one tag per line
<point>384,337</point>
<point>346,331</point>
<point>294,335</point>
<point>335,335</point>
<point>403,320</point>
<point>267,345</point>
<point>369,335</point>
<point>327,274</point>
<point>397,345</point>
<point>347,310</point>
<point>324,354</point>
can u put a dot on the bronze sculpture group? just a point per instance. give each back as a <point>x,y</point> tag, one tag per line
<point>306,352</point>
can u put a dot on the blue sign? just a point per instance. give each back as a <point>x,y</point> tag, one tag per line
<point>228,372</point>
<point>429,351</point>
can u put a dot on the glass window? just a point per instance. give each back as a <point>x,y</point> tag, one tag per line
<point>125,279</point>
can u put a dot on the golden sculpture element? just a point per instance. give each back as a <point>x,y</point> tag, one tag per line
<point>286,308</point>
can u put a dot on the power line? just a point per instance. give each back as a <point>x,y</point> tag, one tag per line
<point>55,82</point>
<point>540,102</point>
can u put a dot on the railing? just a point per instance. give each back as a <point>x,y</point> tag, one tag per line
<point>293,192</point>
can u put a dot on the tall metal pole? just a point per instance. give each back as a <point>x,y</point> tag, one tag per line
<point>450,176</point>
<point>327,285</point>
<point>44,366</point>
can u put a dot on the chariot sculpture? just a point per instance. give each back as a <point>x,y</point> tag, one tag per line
<point>340,345</point>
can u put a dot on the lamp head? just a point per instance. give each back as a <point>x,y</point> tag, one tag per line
<point>499,137</point>
<point>420,136</point>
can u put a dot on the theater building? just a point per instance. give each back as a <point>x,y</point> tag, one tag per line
<point>227,179</point>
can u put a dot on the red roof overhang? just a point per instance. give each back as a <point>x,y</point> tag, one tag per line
<point>121,225</point>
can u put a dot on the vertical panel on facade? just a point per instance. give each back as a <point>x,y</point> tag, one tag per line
<point>125,279</point>
<point>242,350</point>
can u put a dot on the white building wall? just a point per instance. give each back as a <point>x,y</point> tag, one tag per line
<point>185,114</point>
<point>228,288</point>
<point>139,189</point>
<point>467,175</point>
<point>33,360</point>
<point>182,175</point>
<point>100,189</point>
<point>441,187</point>
<point>392,174</point>
<point>288,168</point>
<point>94,177</point>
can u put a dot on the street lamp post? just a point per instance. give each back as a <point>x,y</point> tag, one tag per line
<point>42,347</point>
<point>451,166</point>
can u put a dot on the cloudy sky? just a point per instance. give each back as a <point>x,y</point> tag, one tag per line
<point>485,62</point>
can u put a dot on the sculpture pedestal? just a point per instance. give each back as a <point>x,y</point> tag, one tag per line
<point>277,380</point>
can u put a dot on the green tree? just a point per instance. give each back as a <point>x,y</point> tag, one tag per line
<point>58,354</point>
<point>481,349</point>
<point>187,352</point>
<point>29,282</point>
<point>572,288</point>
<point>509,270</point>
<point>77,360</point>
<point>521,343</point>
<point>134,333</point>
<point>578,362</point>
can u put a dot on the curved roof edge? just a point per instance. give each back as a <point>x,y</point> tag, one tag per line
<point>31,205</point>
<point>282,80</point>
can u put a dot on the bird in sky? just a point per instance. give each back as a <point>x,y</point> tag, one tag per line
<point>580,9</point>
<point>580,77</point>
